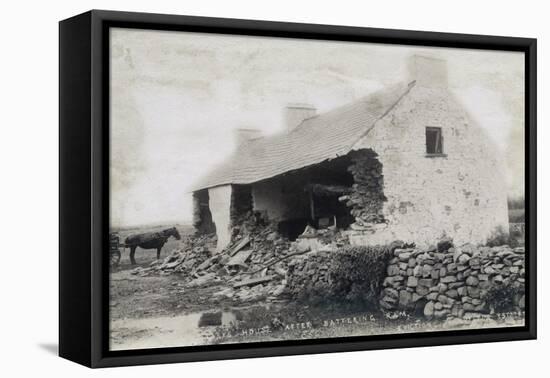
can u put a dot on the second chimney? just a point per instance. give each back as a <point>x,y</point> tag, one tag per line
<point>295,114</point>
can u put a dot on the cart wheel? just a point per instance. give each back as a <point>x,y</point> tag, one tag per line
<point>115,258</point>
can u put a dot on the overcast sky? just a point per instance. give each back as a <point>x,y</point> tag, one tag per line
<point>177,97</point>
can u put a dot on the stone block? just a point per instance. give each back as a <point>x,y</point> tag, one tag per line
<point>498,279</point>
<point>484,285</point>
<point>426,270</point>
<point>468,307</point>
<point>448,279</point>
<point>403,256</point>
<point>429,309</point>
<point>452,293</point>
<point>440,314</point>
<point>405,298</point>
<point>432,296</point>
<point>391,292</point>
<point>412,281</point>
<point>473,292</point>
<point>428,282</point>
<point>393,270</point>
<point>474,261</point>
<point>445,300</point>
<point>416,297</point>
<point>422,290</point>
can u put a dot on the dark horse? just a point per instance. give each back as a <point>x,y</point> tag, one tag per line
<point>150,240</point>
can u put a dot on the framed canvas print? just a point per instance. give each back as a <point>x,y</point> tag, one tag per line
<point>234,188</point>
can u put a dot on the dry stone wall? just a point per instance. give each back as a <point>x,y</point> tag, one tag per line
<point>452,282</point>
<point>438,282</point>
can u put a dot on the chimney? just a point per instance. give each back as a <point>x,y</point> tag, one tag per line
<point>296,114</point>
<point>242,136</point>
<point>427,71</point>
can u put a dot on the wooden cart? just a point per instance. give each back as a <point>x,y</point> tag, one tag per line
<point>114,249</point>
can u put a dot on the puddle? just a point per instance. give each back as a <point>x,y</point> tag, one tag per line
<point>169,331</point>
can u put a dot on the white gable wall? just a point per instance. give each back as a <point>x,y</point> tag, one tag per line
<point>462,194</point>
<point>220,207</point>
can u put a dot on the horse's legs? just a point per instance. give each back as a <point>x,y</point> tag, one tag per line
<point>159,248</point>
<point>132,253</point>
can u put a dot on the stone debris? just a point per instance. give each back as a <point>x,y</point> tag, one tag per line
<point>194,254</point>
<point>202,280</point>
<point>240,258</point>
<point>253,281</point>
<point>240,245</point>
<point>253,266</point>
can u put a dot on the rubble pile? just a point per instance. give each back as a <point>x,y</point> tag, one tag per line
<point>367,196</point>
<point>192,253</point>
<point>253,266</point>
<point>453,282</point>
<point>332,236</point>
<point>257,249</point>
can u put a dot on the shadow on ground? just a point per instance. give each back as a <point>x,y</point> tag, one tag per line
<point>51,348</point>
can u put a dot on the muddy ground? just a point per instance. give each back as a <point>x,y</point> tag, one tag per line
<point>159,310</point>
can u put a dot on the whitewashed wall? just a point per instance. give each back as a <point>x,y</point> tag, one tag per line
<point>220,205</point>
<point>462,194</point>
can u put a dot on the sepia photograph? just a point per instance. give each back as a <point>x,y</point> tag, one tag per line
<point>270,189</point>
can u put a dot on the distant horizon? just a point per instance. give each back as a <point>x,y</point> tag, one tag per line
<point>152,224</point>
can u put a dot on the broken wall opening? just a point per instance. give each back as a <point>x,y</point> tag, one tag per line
<point>328,181</point>
<point>310,196</point>
<point>202,217</point>
<point>339,193</point>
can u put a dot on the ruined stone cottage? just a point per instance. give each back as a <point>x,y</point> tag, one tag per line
<point>407,163</point>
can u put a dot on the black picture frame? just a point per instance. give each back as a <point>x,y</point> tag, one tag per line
<point>84,186</point>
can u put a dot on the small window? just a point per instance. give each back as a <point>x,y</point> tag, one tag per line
<point>434,141</point>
